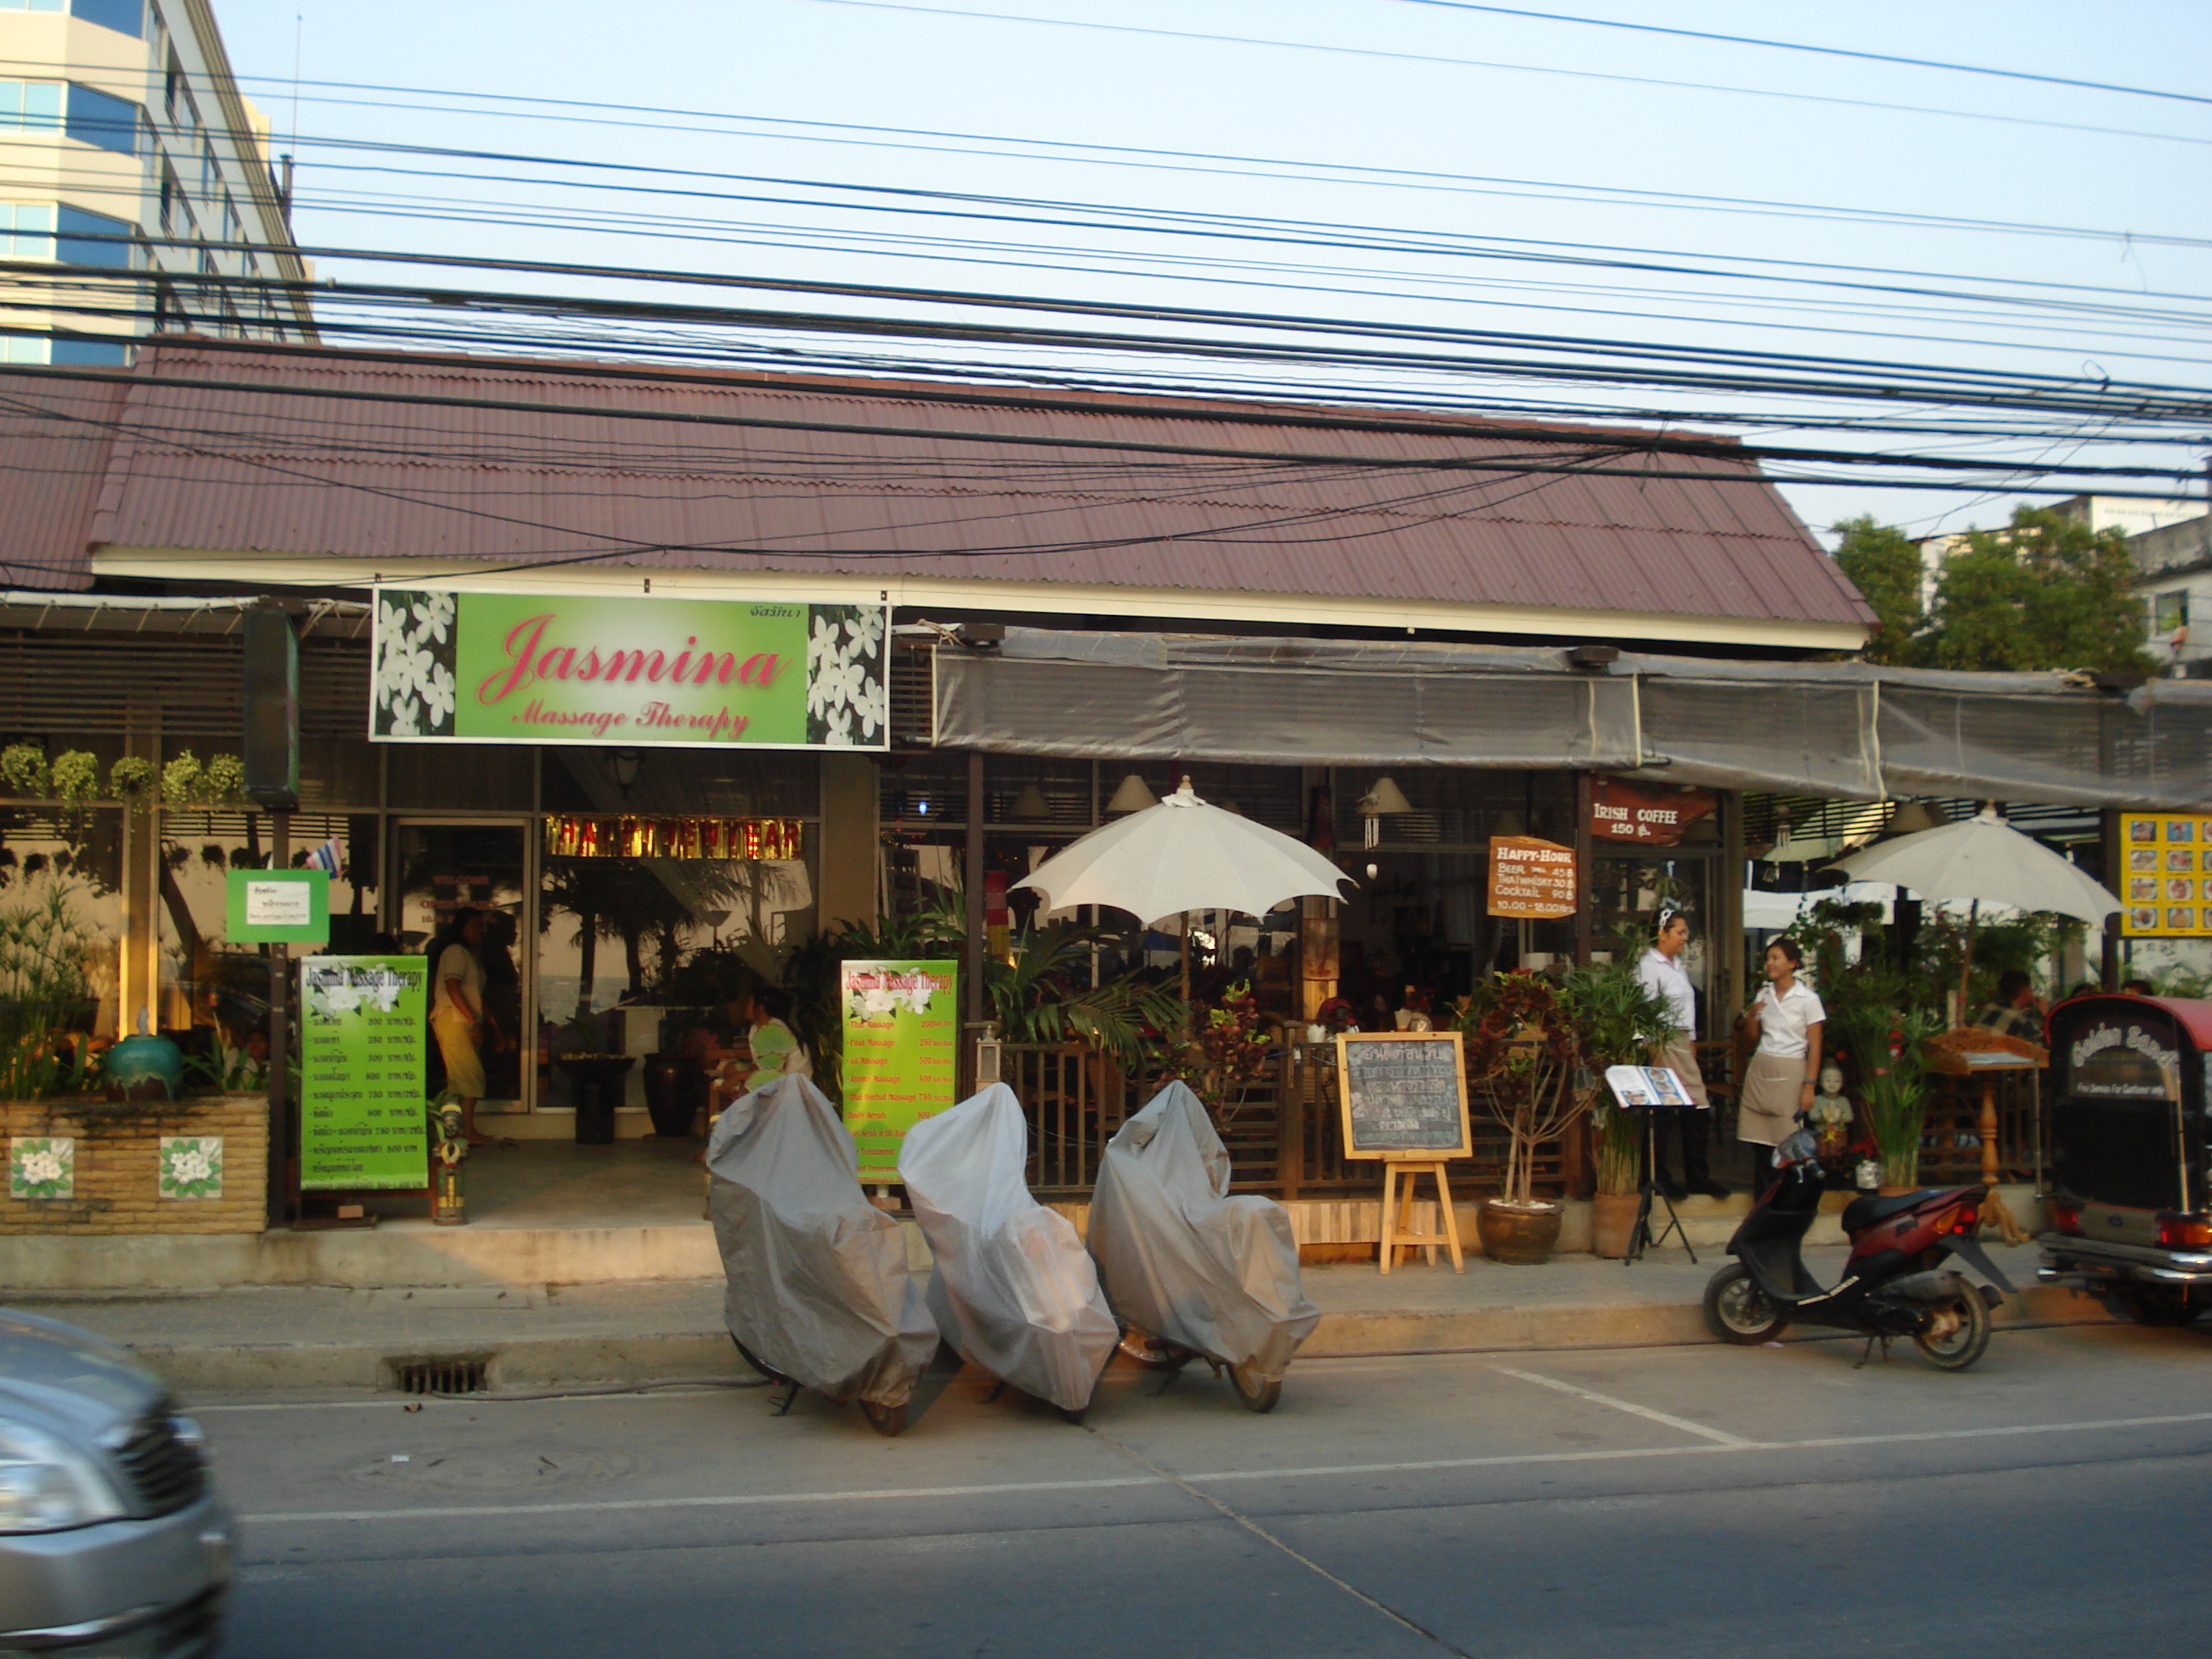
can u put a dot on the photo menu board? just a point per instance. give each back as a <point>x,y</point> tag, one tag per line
<point>364,1123</point>
<point>2164,880</point>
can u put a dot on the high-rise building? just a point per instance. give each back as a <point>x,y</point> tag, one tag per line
<point>125,146</point>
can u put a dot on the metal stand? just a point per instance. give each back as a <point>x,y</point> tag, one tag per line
<point>1642,1238</point>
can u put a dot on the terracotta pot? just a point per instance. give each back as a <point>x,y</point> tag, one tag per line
<point>1518,1234</point>
<point>1612,1219</point>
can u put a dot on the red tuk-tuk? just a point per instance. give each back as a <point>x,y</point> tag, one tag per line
<point>2130,1212</point>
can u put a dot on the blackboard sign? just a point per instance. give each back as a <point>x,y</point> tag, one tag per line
<point>1404,1095</point>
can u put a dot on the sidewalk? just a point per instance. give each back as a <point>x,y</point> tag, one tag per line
<point>281,1339</point>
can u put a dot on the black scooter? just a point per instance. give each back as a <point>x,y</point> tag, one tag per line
<point>1894,1283</point>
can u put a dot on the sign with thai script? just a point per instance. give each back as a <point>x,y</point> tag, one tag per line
<point>1404,1095</point>
<point>1653,815</point>
<point>1532,879</point>
<point>901,1053</point>
<point>585,669</point>
<point>277,907</point>
<point>363,1118</point>
<point>2165,875</point>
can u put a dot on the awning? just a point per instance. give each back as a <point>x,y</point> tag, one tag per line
<point>1839,729</point>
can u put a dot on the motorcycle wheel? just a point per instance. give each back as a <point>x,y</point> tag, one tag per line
<point>886,1420</point>
<point>1964,1333</point>
<point>758,1364</point>
<point>1154,1352</point>
<point>1737,1310</point>
<point>1251,1393</point>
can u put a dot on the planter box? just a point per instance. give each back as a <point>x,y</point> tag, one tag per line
<point>197,1166</point>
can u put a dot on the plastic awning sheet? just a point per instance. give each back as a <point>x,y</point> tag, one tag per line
<point>818,1282</point>
<point>1013,1289</point>
<point>1843,729</point>
<point>1182,1259</point>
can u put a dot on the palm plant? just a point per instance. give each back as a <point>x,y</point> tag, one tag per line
<point>1039,996</point>
<point>1617,1020</point>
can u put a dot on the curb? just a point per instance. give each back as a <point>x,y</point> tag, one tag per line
<point>516,1362</point>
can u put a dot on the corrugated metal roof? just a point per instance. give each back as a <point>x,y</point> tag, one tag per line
<point>348,458</point>
<point>54,440</point>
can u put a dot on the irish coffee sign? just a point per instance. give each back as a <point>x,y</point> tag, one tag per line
<point>625,672</point>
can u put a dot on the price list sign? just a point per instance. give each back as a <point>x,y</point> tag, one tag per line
<point>362,1027</point>
<point>901,1053</point>
<point>1404,1095</point>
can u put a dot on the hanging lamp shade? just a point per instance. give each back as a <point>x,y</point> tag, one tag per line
<point>1029,803</point>
<point>1385,797</point>
<point>1911,819</point>
<point>1133,796</point>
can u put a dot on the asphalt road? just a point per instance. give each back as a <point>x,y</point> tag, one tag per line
<point>2056,1499</point>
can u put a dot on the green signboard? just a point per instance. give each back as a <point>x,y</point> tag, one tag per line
<point>279,907</point>
<point>901,1053</point>
<point>363,1023</point>
<point>584,669</point>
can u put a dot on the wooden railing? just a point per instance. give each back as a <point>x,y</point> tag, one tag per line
<point>1284,1133</point>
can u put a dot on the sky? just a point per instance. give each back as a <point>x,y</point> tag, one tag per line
<point>1397,163</point>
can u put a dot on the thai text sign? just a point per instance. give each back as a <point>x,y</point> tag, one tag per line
<point>1531,879</point>
<point>696,673</point>
<point>1655,816</point>
<point>1404,1095</point>
<point>363,1027</point>
<point>2165,875</point>
<point>901,1053</point>
<point>276,907</point>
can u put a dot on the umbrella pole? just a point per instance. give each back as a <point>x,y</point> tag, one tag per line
<point>1186,958</point>
<point>1966,966</point>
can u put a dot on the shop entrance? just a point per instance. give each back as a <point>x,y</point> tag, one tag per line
<point>442,868</point>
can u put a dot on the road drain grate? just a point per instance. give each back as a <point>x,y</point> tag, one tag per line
<point>439,1376</point>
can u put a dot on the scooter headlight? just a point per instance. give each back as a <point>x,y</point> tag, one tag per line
<point>47,1485</point>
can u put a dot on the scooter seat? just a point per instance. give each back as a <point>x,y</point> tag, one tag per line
<point>1863,1212</point>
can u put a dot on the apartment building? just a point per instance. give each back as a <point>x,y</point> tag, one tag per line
<point>125,147</point>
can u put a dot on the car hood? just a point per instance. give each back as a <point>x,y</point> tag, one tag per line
<point>62,1377</point>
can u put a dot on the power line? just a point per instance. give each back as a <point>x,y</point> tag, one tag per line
<point>1824,52</point>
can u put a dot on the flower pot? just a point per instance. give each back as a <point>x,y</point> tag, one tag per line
<point>597,1080</point>
<point>1518,1234</point>
<point>1613,1219</point>
<point>675,1088</point>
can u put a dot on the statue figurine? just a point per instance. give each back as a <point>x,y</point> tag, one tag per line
<point>1830,1113</point>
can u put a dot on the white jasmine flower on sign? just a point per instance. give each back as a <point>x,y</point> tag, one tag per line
<point>384,996</point>
<point>407,719</point>
<point>434,616</point>
<point>191,1165</point>
<point>438,694</point>
<point>917,997</point>
<point>42,1167</point>
<point>881,1006</point>
<point>866,630</point>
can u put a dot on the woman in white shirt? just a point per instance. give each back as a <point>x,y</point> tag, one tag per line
<point>1784,1073</point>
<point>459,1018</point>
<point>1660,971</point>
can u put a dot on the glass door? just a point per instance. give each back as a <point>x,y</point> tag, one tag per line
<point>443,869</point>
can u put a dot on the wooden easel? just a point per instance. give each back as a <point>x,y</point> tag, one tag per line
<point>1398,1177</point>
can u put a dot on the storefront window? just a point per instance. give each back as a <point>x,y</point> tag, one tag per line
<point>213,991</point>
<point>61,918</point>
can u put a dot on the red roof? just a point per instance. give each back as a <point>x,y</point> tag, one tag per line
<point>393,457</point>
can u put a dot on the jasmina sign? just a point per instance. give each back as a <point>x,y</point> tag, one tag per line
<point>695,673</point>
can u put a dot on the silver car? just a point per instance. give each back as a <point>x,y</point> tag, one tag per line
<point>113,1542</point>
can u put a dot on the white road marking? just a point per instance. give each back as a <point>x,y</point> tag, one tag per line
<point>1717,1435</point>
<point>738,1500</point>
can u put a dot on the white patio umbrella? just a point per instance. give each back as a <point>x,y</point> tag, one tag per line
<point>1183,855</point>
<point>1983,858</point>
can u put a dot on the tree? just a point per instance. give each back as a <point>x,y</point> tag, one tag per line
<point>2048,592</point>
<point>1885,567</point>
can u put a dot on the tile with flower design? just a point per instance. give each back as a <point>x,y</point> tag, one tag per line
<point>42,1166</point>
<point>191,1166</point>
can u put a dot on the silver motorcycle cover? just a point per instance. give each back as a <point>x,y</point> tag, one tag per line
<point>1013,1288</point>
<point>1182,1259</point>
<point>817,1280</point>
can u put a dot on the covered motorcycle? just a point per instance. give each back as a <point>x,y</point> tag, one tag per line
<point>1013,1288</point>
<point>1189,1267</point>
<point>818,1291</point>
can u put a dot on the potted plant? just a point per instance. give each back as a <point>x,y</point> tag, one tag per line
<point>1617,1020</point>
<point>1521,1045</point>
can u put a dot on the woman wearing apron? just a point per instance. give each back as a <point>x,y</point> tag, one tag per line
<point>1785,1071</point>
